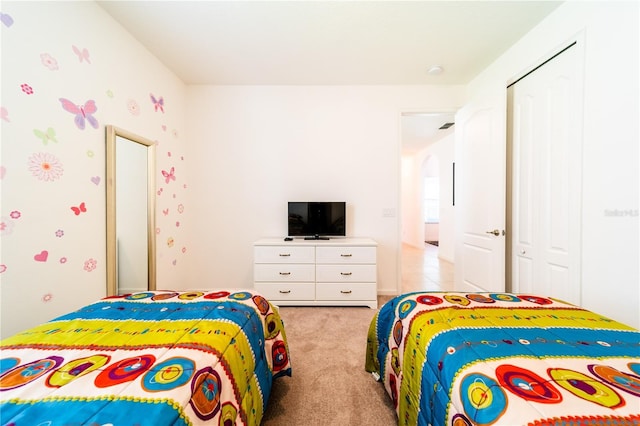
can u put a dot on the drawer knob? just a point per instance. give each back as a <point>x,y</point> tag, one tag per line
<point>346,255</point>
<point>285,291</point>
<point>285,273</point>
<point>345,273</point>
<point>345,292</point>
<point>284,254</point>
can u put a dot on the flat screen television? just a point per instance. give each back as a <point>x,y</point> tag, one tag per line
<point>316,220</point>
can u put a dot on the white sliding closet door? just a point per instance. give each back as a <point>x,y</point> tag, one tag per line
<point>545,117</point>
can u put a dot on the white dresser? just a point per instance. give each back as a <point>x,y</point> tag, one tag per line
<point>336,272</point>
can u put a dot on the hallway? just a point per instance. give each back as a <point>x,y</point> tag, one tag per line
<point>422,270</point>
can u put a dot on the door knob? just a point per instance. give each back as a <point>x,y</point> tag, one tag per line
<point>494,232</point>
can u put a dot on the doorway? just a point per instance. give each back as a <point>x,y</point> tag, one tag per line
<point>426,161</point>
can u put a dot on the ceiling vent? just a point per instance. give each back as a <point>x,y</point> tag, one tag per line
<point>446,126</point>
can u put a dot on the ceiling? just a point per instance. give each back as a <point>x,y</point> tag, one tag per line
<point>330,42</point>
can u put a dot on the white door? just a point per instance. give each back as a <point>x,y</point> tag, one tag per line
<point>545,121</point>
<point>480,182</point>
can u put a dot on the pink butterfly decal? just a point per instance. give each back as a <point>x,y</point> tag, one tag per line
<point>82,112</point>
<point>165,212</point>
<point>158,104</point>
<point>80,209</point>
<point>169,175</point>
<point>83,55</point>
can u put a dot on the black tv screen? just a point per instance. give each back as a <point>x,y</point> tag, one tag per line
<point>317,219</point>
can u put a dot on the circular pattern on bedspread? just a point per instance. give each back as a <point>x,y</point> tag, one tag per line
<point>460,420</point>
<point>241,295</point>
<point>191,295</point>
<point>272,325</point>
<point>124,370</point>
<point>480,298</point>
<point>635,367</point>
<point>27,373</point>
<point>169,374</point>
<point>586,387</point>
<point>393,387</point>
<point>205,393</point>
<point>8,363</point>
<point>535,299</point>
<point>261,304</point>
<point>163,296</point>
<point>405,308</point>
<point>397,332</point>
<point>395,361</point>
<point>139,296</point>
<point>623,381</point>
<point>76,368</point>
<point>428,299</point>
<point>502,297</point>
<point>527,385</point>
<point>216,295</point>
<point>228,414</point>
<point>456,300</point>
<point>279,355</point>
<point>482,398</point>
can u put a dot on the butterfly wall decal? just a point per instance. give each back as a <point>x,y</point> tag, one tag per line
<point>46,136</point>
<point>158,104</point>
<point>82,208</point>
<point>170,175</point>
<point>6,19</point>
<point>83,54</point>
<point>82,112</point>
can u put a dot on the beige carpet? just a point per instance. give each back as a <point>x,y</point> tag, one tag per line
<point>328,385</point>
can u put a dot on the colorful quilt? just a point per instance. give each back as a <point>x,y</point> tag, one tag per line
<point>152,358</point>
<point>485,358</point>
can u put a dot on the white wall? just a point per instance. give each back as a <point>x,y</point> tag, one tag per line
<point>610,231</point>
<point>255,148</point>
<point>118,74</point>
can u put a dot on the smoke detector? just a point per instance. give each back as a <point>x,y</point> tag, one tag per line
<point>435,70</point>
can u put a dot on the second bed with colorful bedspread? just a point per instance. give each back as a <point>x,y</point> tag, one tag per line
<point>505,359</point>
<point>151,358</point>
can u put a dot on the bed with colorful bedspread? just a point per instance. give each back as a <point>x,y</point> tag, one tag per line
<point>151,358</point>
<point>505,359</point>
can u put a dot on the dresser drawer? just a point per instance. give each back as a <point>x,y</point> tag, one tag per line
<point>346,291</point>
<point>287,291</point>
<point>347,254</point>
<point>284,254</point>
<point>284,273</point>
<point>345,273</point>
